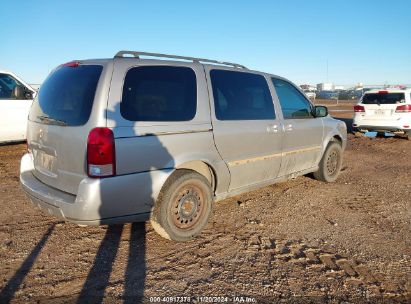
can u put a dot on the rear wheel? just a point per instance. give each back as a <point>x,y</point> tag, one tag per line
<point>330,164</point>
<point>408,137</point>
<point>184,206</point>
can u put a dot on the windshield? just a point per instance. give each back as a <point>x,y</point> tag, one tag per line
<point>388,98</point>
<point>66,96</point>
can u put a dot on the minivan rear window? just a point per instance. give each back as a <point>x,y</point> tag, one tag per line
<point>159,93</point>
<point>383,98</point>
<point>66,96</point>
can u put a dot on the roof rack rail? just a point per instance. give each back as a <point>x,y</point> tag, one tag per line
<point>137,55</point>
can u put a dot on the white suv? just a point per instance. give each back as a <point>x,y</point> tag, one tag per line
<point>16,97</point>
<point>310,94</point>
<point>387,110</point>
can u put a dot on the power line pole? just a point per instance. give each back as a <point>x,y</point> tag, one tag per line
<point>327,70</point>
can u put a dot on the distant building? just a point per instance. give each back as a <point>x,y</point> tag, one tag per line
<point>338,87</point>
<point>308,87</point>
<point>325,86</point>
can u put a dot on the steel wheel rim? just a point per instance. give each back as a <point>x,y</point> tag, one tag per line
<point>332,162</point>
<point>187,206</point>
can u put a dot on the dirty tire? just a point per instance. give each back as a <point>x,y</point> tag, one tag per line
<point>183,207</point>
<point>406,136</point>
<point>330,164</point>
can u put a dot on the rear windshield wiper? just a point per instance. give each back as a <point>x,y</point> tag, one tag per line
<point>50,120</point>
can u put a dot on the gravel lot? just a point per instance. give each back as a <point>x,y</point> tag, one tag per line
<point>298,241</point>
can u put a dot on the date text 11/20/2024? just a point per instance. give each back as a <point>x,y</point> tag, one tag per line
<point>203,299</point>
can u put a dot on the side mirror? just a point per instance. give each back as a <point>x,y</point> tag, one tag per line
<point>18,92</point>
<point>320,111</point>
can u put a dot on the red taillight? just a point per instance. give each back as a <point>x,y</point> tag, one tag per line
<point>382,92</point>
<point>359,109</point>
<point>101,160</point>
<point>71,64</point>
<point>403,109</point>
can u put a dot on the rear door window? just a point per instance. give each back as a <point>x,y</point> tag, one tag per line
<point>66,96</point>
<point>241,96</point>
<point>159,93</point>
<point>293,104</point>
<point>383,98</point>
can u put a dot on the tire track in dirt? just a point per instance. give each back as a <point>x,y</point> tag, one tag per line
<point>354,272</point>
<point>255,248</point>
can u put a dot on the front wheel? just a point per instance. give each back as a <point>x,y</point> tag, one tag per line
<point>183,207</point>
<point>330,164</point>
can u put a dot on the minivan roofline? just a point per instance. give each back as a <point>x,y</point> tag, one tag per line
<point>137,54</point>
<point>179,62</point>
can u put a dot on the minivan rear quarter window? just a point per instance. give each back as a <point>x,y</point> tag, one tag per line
<point>383,98</point>
<point>66,96</point>
<point>159,93</point>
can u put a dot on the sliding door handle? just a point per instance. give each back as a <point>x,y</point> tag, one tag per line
<point>272,129</point>
<point>288,127</point>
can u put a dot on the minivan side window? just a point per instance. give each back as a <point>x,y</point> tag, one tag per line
<point>241,96</point>
<point>293,104</point>
<point>159,93</point>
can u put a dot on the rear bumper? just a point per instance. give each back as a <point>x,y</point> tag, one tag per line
<point>119,199</point>
<point>382,125</point>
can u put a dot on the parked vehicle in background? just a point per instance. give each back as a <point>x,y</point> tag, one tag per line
<point>387,110</point>
<point>16,97</point>
<point>327,95</point>
<point>348,95</point>
<point>310,94</point>
<point>351,94</point>
<point>130,139</point>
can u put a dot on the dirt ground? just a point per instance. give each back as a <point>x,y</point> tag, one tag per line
<point>299,241</point>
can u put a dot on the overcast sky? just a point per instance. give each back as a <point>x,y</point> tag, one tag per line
<point>362,41</point>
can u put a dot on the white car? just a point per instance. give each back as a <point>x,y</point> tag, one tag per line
<point>16,97</point>
<point>387,110</point>
<point>310,94</point>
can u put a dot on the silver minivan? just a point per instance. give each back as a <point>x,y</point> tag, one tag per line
<point>130,139</point>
